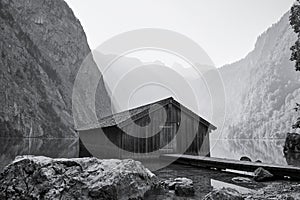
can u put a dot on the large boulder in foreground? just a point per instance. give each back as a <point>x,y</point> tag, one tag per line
<point>37,177</point>
<point>292,143</point>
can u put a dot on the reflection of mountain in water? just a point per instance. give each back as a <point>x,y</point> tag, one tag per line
<point>11,147</point>
<point>268,151</point>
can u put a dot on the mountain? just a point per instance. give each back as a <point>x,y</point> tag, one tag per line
<point>42,46</point>
<point>132,81</point>
<point>261,89</point>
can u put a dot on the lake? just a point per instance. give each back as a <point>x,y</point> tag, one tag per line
<point>267,151</point>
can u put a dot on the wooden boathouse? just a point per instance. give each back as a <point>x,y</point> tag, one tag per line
<point>157,128</point>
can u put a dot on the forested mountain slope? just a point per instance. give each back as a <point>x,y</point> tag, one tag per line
<point>261,89</point>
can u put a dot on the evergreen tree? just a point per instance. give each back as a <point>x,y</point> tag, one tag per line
<point>295,23</point>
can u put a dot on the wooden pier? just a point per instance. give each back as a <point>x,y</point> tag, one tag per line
<point>222,163</point>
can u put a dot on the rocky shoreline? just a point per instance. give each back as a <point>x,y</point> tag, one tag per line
<point>274,190</point>
<point>39,177</point>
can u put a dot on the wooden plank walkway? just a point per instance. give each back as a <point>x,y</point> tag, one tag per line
<point>221,163</point>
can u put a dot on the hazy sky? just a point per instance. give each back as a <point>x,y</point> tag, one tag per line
<point>226,29</point>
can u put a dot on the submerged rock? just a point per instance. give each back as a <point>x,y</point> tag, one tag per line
<point>260,174</point>
<point>241,180</point>
<point>30,177</point>
<point>224,194</point>
<point>245,158</point>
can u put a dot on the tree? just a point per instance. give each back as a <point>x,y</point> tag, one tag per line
<point>295,23</point>
<point>295,56</point>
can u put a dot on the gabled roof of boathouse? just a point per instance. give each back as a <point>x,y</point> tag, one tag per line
<point>142,111</point>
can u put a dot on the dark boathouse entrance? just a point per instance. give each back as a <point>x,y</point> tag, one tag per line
<point>157,128</point>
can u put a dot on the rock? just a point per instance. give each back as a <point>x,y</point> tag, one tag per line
<point>241,180</point>
<point>184,190</point>
<point>260,174</point>
<point>292,143</point>
<point>258,161</point>
<point>275,190</point>
<point>288,198</point>
<point>224,194</point>
<point>42,48</point>
<point>30,177</point>
<point>296,187</point>
<point>182,186</point>
<point>292,158</point>
<point>245,158</point>
<point>169,184</point>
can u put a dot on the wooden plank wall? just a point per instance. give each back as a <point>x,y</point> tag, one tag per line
<point>151,132</point>
<point>189,128</point>
<point>135,146</point>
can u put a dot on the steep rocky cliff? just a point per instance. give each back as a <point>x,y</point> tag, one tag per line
<point>42,46</point>
<point>262,88</point>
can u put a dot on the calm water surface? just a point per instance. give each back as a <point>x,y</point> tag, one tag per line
<point>55,148</point>
<point>267,151</point>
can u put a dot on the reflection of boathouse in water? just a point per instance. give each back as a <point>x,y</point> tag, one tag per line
<point>164,126</point>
